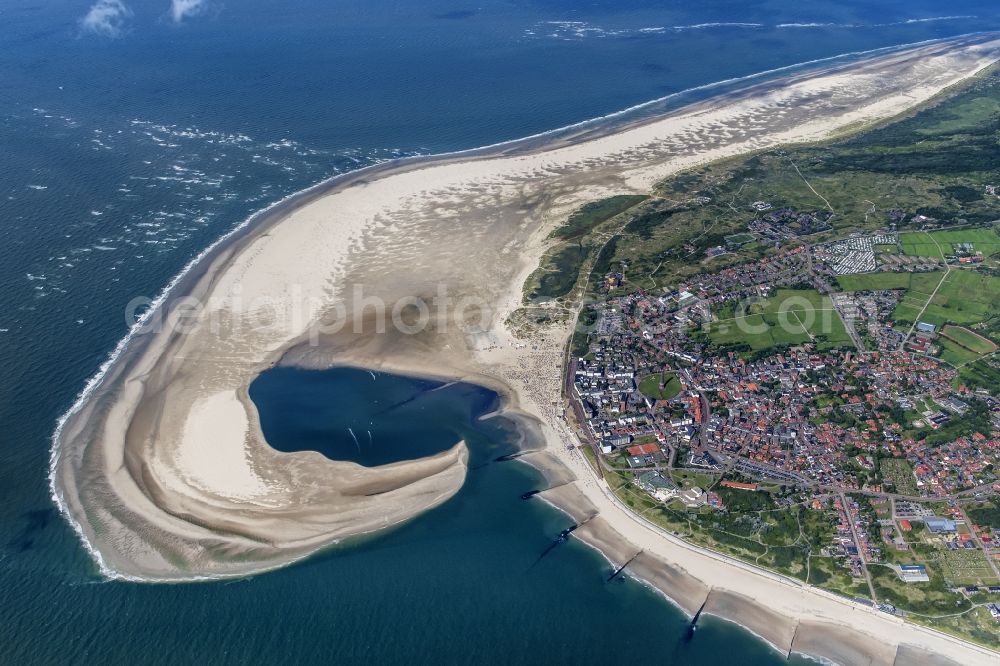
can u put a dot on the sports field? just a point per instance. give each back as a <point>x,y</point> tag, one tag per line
<point>788,317</point>
<point>969,339</point>
<point>955,354</point>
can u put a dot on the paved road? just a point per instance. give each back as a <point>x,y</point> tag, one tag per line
<point>857,544</point>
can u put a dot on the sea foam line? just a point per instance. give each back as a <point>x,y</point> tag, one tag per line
<point>55,453</point>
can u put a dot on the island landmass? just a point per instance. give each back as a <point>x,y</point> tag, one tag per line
<point>162,469</point>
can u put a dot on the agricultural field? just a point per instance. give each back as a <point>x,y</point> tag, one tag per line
<point>660,387</point>
<point>789,317</point>
<point>877,281</point>
<point>965,297</point>
<point>922,244</point>
<point>939,244</point>
<point>899,473</point>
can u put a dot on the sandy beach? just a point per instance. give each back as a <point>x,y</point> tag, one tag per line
<point>162,467</point>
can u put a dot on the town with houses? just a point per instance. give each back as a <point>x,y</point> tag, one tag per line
<point>821,376</point>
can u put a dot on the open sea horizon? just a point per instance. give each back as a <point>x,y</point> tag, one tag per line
<point>130,147</point>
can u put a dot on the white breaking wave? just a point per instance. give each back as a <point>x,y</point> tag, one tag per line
<point>571,30</point>
<point>937,18</point>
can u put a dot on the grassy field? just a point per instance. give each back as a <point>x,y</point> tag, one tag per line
<point>921,244</point>
<point>965,297</point>
<point>788,317</point>
<point>650,386</point>
<point>876,281</point>
<point>981,374</point>
<point>986,514</point>
<point>955,354</point>
<point>938,244</point>
<point>739,239</point>
<point>969,339</point>
<point>899,472</point>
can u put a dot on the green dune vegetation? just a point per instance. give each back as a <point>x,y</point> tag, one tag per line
<point>576,243</point>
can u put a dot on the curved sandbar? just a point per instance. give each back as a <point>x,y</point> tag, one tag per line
<point>162,467</point>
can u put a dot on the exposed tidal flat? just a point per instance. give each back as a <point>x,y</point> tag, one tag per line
<point>130,465</point>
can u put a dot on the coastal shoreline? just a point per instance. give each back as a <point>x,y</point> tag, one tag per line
<point>119,392</point>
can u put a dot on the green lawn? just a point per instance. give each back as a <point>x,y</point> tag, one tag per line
<point>788,317</point>
<point>969,339</point>
<point>955,354</point>
<point>650,386</point>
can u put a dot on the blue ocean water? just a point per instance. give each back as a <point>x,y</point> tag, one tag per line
<point>128,147</point>
<point>365,417</point>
